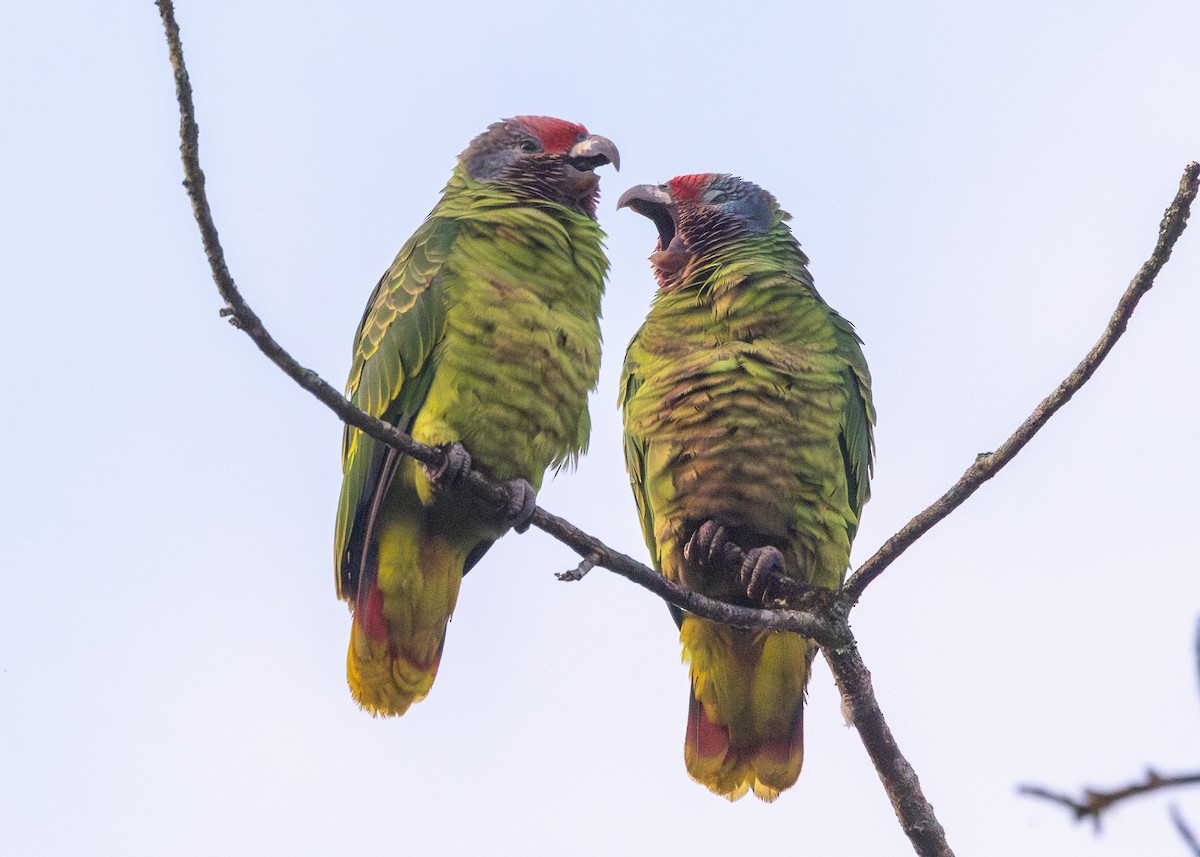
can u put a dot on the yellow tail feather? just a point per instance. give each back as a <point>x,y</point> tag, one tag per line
<point>746,714</point>
<point>400,620</point>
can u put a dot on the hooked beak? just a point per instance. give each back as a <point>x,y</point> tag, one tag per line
<point>595,151</point>
<point>656,203</point>
<point>581,161</point>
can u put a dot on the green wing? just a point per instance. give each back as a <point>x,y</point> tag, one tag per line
<point>389,379</point>
<point>635,451</point>
<point>858,417</point>
<point>635,462</point>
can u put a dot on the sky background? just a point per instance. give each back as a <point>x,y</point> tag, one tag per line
<point>975,184</point>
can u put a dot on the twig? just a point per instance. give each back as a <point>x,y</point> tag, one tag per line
<point>1196,644</point>
<point>914,812</point>
<point>986,466</point>
<point>816,627</point>
<point>1185,832</point>
<point>579,571</point>
<point>236,309</point>
<point>1093,804</point>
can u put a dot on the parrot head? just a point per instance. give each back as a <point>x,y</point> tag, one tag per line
<point>700,214</point>
<point>539,157</point>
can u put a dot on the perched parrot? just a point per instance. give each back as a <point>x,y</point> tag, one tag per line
<point>483,334</point>
<point>748,421</point>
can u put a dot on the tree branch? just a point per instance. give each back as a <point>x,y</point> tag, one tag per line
<point>1185,832</point>
<point>830,629</point>
<point>1196,649</point>
<point>914,812</point>
<point>1093,804</point>
<point>987,465</point>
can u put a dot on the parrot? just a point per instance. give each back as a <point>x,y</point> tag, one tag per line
<point>746,403</point>
<point>482,339</point>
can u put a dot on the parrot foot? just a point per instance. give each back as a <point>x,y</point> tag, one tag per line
<point>762,570</point>
<point>456,465</point>
<point>522,499</point>
<point>707,546</point>
<point>766,583</point>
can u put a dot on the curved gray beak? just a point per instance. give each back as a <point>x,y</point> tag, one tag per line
<point>595,151</point>
<point>656,203</point>
<point>653,201</point>
<point>644,197</point>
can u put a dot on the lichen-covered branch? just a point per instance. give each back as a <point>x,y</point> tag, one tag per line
<point>1093,803</point>
<point>986,466</point>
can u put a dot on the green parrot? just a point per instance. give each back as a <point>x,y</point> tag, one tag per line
<point>484,336</point>
<point>748,421</point>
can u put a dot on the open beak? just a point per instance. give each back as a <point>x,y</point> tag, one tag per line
<point>655,202</point>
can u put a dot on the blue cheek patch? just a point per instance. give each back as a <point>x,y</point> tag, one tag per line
<point>754,210</point>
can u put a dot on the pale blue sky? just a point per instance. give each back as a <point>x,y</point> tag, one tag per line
<point>975,184</point>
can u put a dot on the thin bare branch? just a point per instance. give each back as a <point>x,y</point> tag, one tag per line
<point>1185,831</point>
<point>1196,645</point>
<point>987,465</point>
<point>580,571</point>
<point>914,812</point>
<point>236,309</point>
<point>1094,803</point>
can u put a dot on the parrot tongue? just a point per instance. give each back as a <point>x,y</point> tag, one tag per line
<point>674,257</point>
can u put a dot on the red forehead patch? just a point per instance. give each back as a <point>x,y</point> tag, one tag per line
<point>557,135</point>
<point>689,188</point>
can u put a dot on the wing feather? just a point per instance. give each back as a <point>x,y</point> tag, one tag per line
<point>857,438</point>
<point>390,377</point>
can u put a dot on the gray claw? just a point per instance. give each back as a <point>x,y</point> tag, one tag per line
<point>707,545</point>
<point>760,568</point>
<point>456,465</point>
<point>522,500</point>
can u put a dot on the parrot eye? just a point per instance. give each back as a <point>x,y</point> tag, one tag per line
<point>528,145</point>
